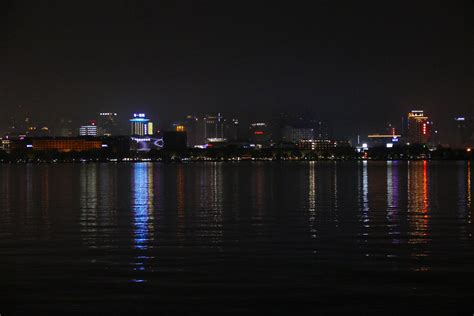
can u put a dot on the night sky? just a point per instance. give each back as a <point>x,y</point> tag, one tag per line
<point>358,63</point>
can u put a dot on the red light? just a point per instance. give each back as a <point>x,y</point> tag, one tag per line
<point>259,133</point>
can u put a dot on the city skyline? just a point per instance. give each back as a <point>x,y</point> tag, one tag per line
<point>284,126</point>
<point>236,157</point>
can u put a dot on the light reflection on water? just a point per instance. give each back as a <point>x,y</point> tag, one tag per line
<point>209,229</point>
<point>143,211</point>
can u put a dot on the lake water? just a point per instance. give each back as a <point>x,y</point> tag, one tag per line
<point>232,238</point>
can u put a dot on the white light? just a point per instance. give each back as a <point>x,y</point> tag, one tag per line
<point>389,145</point>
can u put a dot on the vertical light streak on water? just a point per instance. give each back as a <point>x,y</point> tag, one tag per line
<point>45,197</point>
<point>5,197</point>
<point>392,201</point>
<point>143,196</point>
<point>469,197</point>
<point>462,198</point>
<point>365,197</point>
<point>143,208</point>
<point>44,190</point>
<point>29,192</point>
<point>469,194</point>
<point>211,202</point>
<point>88,204</point>
<point>335,198</point>
<point>217,202</point>
<point>107,196</point>
<point>258,192</point>
<point>180,203</point>
<point>418,212</point>
<point>312,198</point>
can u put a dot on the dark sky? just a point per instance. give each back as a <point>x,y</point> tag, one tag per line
<point>362,63</point>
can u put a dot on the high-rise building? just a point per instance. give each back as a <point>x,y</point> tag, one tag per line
<point>317,144</point>
<point>140,125</point>
<point>107,124</point>
<point>296,134</point>
<point>464,134</point>
<point>192,130</point>
<point>418,127</point>
<point>88,130</point>
<point>259,133</point>
<point>213,128</point>
<point>231,129</point>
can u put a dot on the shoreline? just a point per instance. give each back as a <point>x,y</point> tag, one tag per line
<point>132,161</point>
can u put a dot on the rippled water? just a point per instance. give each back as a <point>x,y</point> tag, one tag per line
<point>345,237</point>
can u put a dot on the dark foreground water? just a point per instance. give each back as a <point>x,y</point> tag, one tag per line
<point>220,238</point>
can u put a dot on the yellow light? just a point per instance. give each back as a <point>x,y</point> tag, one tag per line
<point>180,128</point>
<point>468,150</point>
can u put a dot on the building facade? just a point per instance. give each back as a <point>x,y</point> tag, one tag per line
<point>107,124</point>
<point>140,125</point>
<point>64,144</point>
<point>418,127</point>
<point>88,130</point>
<point>463,133</point>
<point>213,128</point>
<point>293,134</point>
<point>259,133</point>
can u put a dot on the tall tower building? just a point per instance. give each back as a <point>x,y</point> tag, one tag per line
<point>140,125</point>
<point>107,124</point>
<point>231,129</point>
<point>418,127</point>
<point>88,130</point>
<point>192,129</point>
<point>214,127</point>
<point>464,133</point>
<point>259,133</point>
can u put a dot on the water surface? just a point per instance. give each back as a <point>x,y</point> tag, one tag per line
<point>330,237</point>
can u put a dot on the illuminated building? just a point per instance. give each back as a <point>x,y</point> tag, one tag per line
<point>464,134</point>
<point>5,145</point>
<point>296,134</point>
<point>385,140</point>
<point>259,133</point>
<point>88,130</point>
<point>182,130</point>
<point>38,132</point>
<point>191,127</point>
<point>64,144</point>
<point>108,124</point>
<point>140,125</point>
<point>213,128</point>
<point>317,144</point>
<point>231,129</point>
<point>418,127</point>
